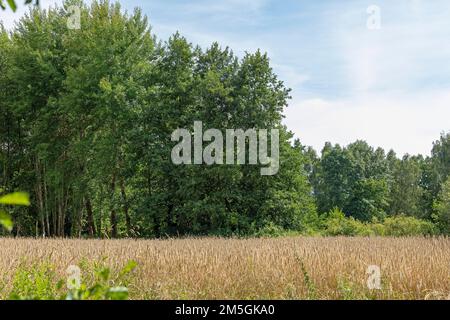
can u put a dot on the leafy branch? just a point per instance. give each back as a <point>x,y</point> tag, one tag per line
<point>14,199</point>
<point>12,4</point>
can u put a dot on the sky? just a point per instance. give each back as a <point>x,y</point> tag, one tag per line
<point>376,70</point>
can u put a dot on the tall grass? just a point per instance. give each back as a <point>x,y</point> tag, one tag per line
<point>278,268</point>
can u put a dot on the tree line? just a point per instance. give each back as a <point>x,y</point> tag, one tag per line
<point>86,120</point>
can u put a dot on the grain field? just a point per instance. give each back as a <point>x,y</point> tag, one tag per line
<point>279,268</point>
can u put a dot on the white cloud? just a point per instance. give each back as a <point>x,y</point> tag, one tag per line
<point>226,6</point>
<point>9,18</point>
<point>407,124</point>
<point>289,75</point>
<point>396,89</point>
<point>407,53</point>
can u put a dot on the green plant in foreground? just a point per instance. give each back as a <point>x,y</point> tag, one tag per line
<point>39,282</point>
<point>348,290</point>
<point>102,288</point>
<point>35,282</point>
<point>17,199</point>
<point>309,283</point>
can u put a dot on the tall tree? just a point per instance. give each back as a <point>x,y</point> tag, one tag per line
<point>353,179</point>
<point>442,208</point>
<point>406,192</point>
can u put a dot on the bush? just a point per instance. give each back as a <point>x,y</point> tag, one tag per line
<point>35,282</point>
<point>441,208</point>
<point>39,282</point>
<point>402,225</point>
<point>270,230</point>
<point>337,224</point>
<point>377,228</point>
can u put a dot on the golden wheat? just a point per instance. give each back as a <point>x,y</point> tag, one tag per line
<point>282,268</point>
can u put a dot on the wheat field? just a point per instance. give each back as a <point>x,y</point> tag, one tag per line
<point>278,268</point>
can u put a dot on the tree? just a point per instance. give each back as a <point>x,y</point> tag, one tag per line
<point>87,117</point>
<point>212,86</point>
<point>333,185</point>
<point>441,156</point>
<point>12,199</point>
<point>406,191</point>
<point>352,179</point>
<point>435,171</point>
<point>90,114</point>
<point>60,100</point>
<point>442,208</point>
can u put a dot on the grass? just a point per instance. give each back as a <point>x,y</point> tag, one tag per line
<point>215,268</point>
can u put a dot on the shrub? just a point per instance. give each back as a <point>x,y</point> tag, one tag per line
<point>104,288</point>
<point>337,224</point>
<point>39,282</point>
<point>270,229</point>
<point>408,226</point>
<point>442,208</point>
<point>377,228</point>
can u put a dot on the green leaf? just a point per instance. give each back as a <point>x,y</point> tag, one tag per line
<point>16,198</point>
<point>118,293</point>
<point>12,4</point>
<point>104,273</point>
<point>131,265</point>
<point>5,221</point>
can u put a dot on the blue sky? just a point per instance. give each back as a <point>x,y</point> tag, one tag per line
<point>389,86</point>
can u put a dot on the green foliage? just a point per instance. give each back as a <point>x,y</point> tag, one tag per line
<point>39,282</point>
<point>34,282</point>
<point>368,184</point>
<point>17,199</point>
<point>88,116</point>
<point>442,208</point>
<point>347,290</point>
<point>402,225</point>
<point>435,171</point>
<point>103,287</point>
<point>270,230</point>
<point>353,179</point>
<point>310,286</point>
<point>336,223</point>
<point>6,221</point>
<point>89,122</point>
<point>405,191</point>
<point>368,199</point>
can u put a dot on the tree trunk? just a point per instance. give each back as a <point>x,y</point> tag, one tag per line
<point>113,224</point>
<point>113,218</point>
<point>90,218</point>
<point>46,206</point>
<point>60,229</point>
<point>100,225</point>
<point>125,207</point>
<point>55,215</point>
<point>40,197</point>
